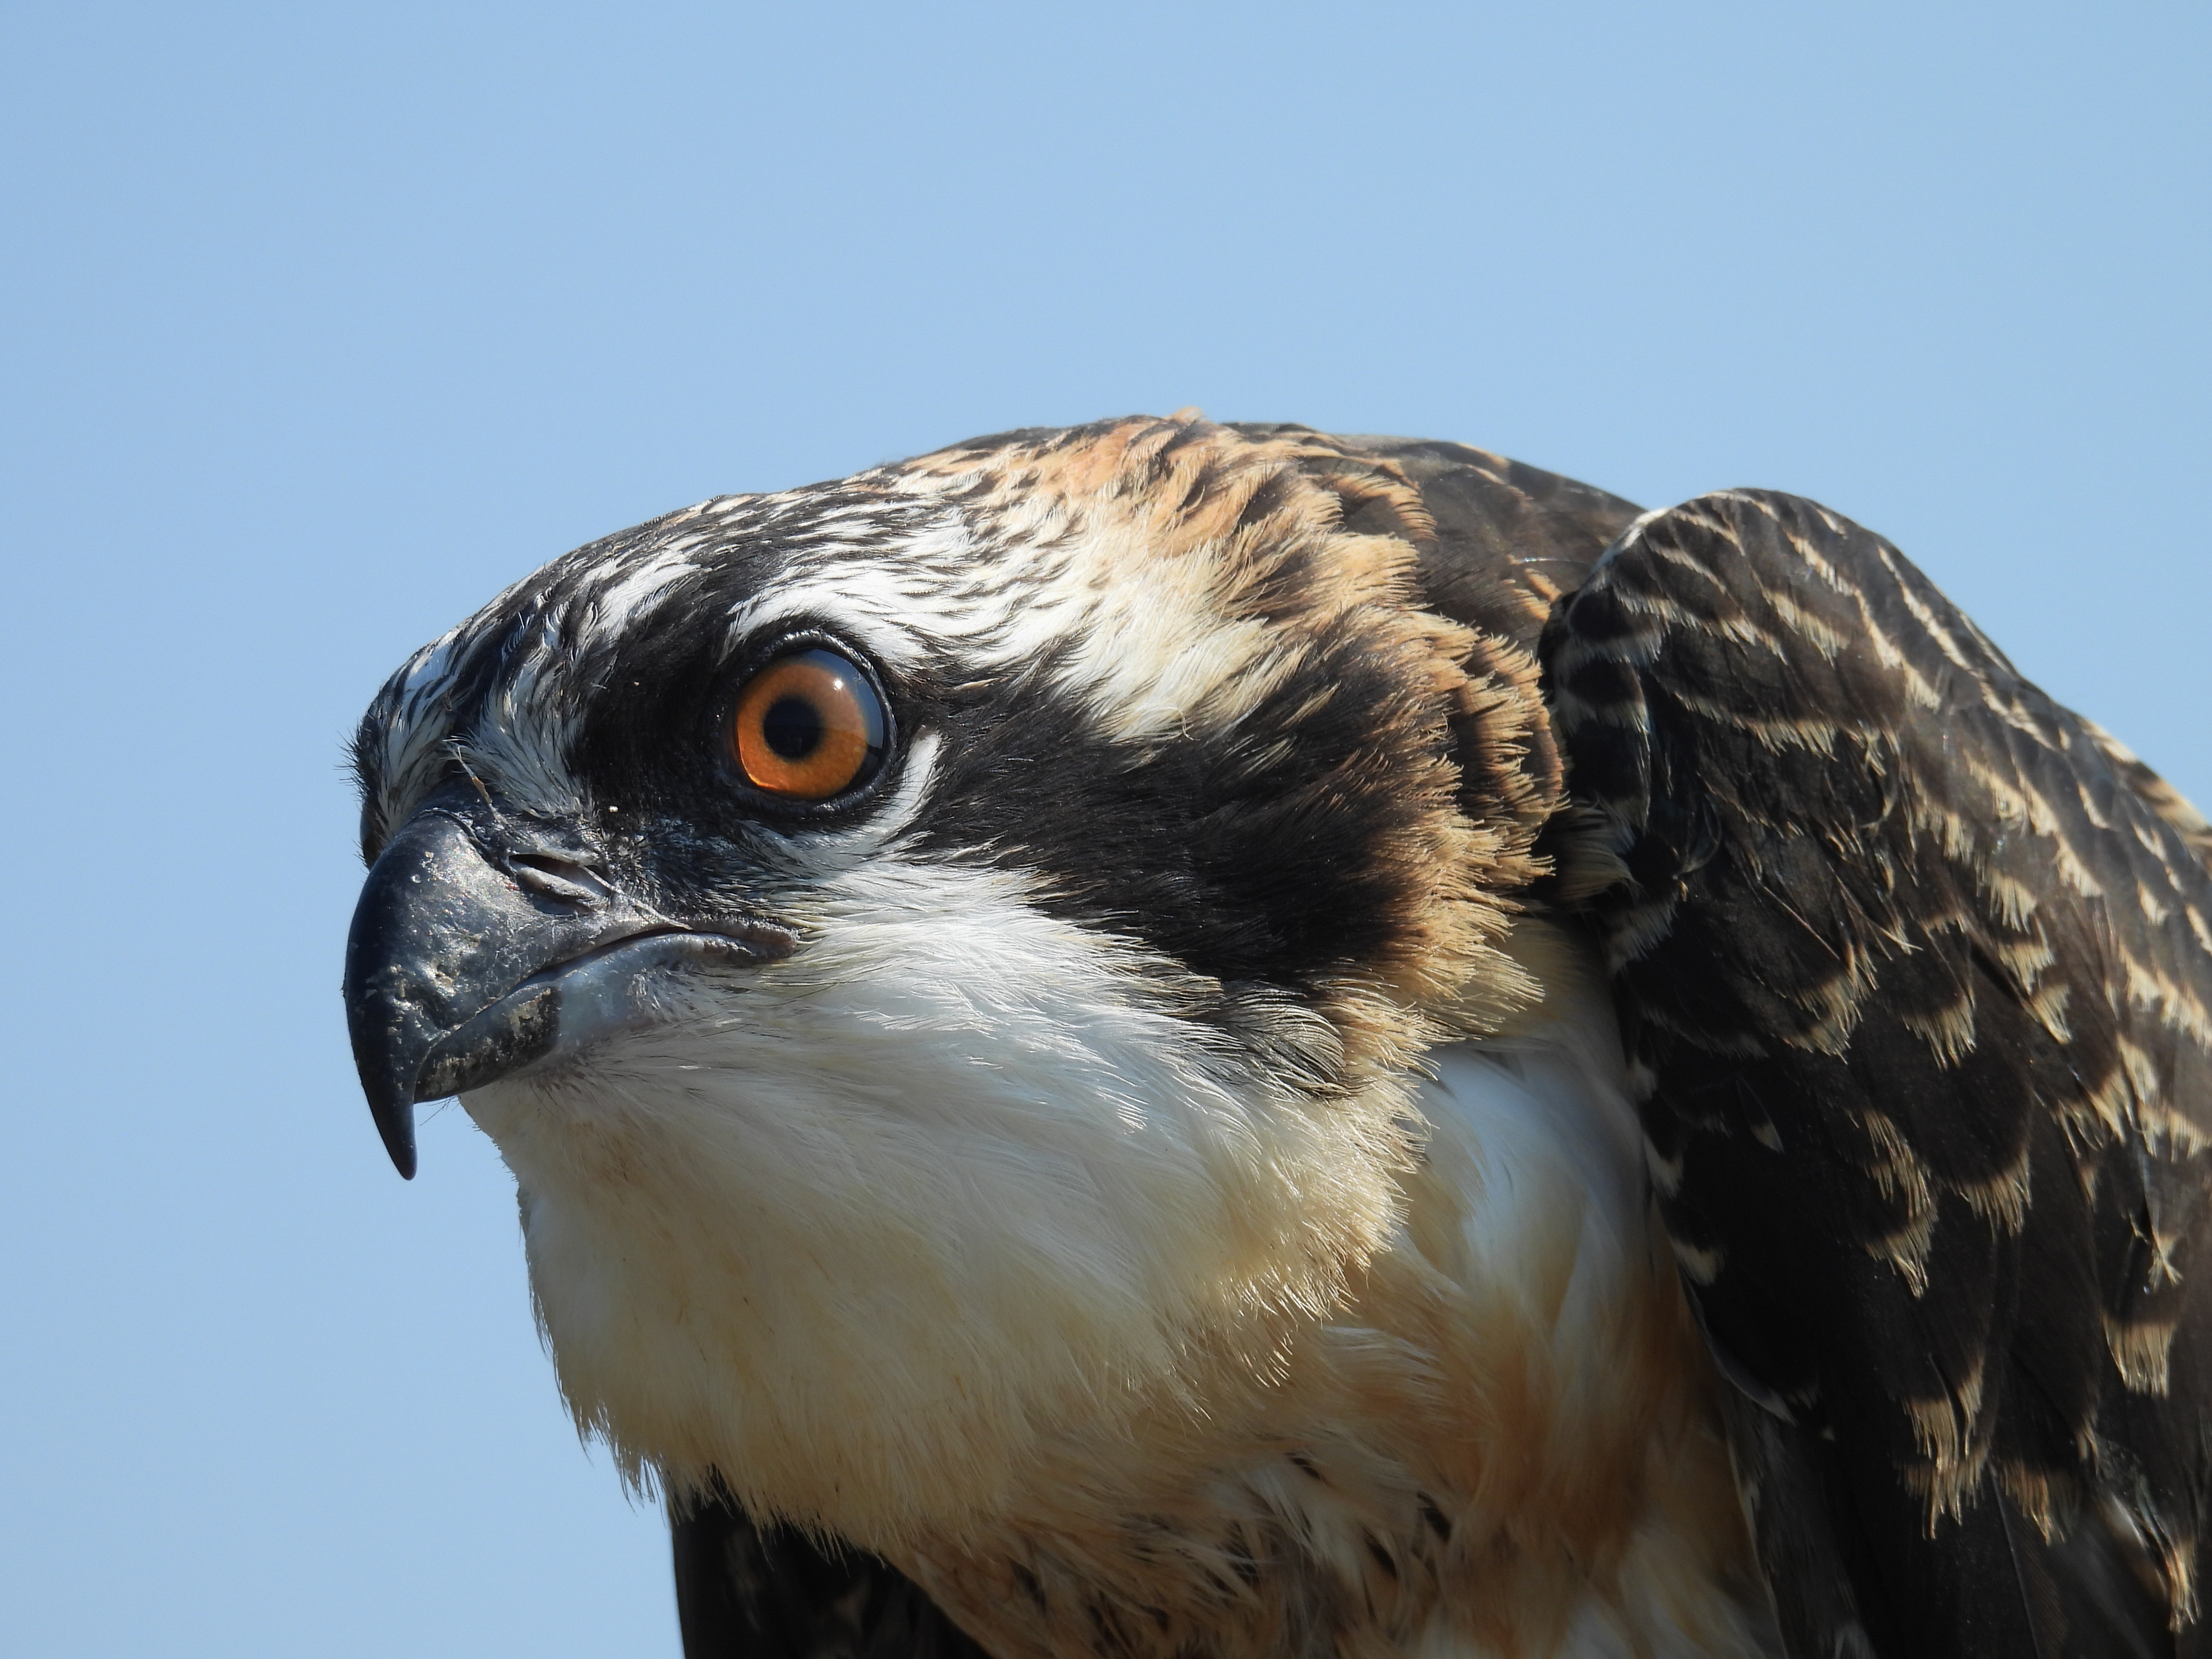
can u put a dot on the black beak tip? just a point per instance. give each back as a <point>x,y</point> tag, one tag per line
<point>400,1141</point>
<point>395,1122</point>
<point>387,1064</point>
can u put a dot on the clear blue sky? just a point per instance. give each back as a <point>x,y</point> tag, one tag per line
<point>319,324</point>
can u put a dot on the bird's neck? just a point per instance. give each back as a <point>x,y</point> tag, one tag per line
<point>1504,1443</point>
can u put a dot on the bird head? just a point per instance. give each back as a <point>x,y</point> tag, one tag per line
<point>943,951</point>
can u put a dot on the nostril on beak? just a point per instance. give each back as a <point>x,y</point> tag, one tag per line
<point>557,878</point>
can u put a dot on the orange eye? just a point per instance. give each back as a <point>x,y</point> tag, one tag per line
<point>808,726</point>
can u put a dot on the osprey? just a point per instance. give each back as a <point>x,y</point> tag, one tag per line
<point>1171,1039</point>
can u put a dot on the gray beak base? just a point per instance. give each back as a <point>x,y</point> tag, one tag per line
<point>480,946</point>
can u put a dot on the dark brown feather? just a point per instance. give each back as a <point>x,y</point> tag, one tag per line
<point>1918,966</point>
<point>746,1591</point>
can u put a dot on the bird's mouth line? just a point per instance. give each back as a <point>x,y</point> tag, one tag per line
<point>572,1004</point>
<point>755,941</point>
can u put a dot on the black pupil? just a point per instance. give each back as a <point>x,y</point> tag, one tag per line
<point>793,726</point>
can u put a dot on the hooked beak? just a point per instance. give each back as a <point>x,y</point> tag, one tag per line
<point>484,944</point>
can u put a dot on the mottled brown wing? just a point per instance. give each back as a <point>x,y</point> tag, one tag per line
<point>1917,968</point>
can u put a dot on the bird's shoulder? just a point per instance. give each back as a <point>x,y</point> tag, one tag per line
<point>1916,967</point>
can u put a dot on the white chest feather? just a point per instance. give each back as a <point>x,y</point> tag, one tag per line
<point>1002,1268</point>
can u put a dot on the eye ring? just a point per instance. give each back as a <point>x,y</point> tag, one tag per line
<point>808,726</point>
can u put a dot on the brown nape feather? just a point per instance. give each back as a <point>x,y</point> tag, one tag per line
<point>1290,532</point>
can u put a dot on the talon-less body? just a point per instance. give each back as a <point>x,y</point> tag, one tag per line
<point>1176,1040</point>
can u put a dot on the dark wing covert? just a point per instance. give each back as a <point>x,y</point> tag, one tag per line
<point>748,1591</point>
<point>1917,966</point>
